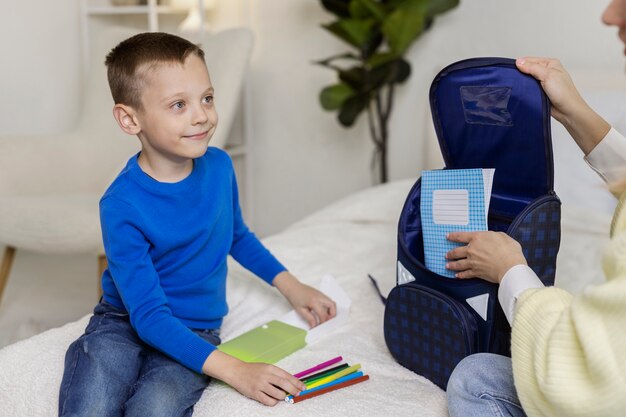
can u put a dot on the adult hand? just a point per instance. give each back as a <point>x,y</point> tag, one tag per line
<point>568,107</point>
<point>556,82</point>
<point>486,255</point>
<point>312,305</point>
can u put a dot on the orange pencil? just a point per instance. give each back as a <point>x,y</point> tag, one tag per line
<point>329,389</point>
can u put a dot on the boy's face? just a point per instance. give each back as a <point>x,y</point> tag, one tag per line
<point>178,116</point>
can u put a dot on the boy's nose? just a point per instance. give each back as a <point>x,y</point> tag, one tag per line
<point>200,115</point>
<point>614,14</point>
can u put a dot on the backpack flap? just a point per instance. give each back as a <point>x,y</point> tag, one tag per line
<point>488,114</point>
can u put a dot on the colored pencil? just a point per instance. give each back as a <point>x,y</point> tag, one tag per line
<point>322,374</point>
<point>318,367</point>
<point>328,384</point>
<point>329,389</point>
<point>334,376</point>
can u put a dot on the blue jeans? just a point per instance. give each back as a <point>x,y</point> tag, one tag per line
<point>109,371</point>
<point>482,385</point>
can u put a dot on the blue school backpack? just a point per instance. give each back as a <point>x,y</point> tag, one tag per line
<point>487,114</point>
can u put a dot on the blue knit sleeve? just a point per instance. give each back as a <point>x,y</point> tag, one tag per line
<point>137,282</point>
<point>246,247</point>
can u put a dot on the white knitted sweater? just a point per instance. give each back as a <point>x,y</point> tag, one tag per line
<point>569,352</point>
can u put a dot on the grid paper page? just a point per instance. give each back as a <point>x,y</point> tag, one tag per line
<point>461,200</point>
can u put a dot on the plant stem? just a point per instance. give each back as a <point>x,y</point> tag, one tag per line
<point>383,111</point>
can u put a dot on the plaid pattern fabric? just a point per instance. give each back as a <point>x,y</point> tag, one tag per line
<point>426,332</point>
<point>539,233</point>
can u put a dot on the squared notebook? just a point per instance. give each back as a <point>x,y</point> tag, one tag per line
<point>268,343</point>
<point>452,200</point>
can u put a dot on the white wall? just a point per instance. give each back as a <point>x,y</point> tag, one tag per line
<point>40,71</point>
<point>303,159</point>
<point>565,29</point>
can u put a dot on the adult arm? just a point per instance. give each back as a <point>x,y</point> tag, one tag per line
<point>568,352</point>
<point>568,356</point>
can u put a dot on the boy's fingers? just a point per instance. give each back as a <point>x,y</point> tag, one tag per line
<point>308,316</point>
<point>332,310</point>
<point>274,392</point>
<point>287,383</point>
<point>325,309</point>
<point>265,399</point>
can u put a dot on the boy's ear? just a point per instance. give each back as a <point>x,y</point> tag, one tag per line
<point>125,117</point>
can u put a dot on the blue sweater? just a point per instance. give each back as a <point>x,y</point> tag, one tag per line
<point>166,246</point>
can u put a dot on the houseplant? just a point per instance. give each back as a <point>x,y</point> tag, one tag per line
<point>380,32</point>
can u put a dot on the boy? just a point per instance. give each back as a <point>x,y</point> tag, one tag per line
<point>169,220</point>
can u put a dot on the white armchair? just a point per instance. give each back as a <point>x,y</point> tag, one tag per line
<point>50,185</point>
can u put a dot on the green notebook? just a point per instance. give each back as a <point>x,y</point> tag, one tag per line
<point>268,343</point>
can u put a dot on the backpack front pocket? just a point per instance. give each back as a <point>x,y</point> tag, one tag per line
<point>428,332</point>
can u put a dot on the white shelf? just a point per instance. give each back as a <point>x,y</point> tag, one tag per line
<point>129,10</point>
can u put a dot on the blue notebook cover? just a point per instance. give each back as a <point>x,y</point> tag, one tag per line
<point>452,200</point>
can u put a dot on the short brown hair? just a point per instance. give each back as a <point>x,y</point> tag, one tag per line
<point>144,49</point>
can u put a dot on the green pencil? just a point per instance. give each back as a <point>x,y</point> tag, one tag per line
<point>322,374</point>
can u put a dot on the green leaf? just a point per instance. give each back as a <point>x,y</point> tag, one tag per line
<point>351,109</point>
<point>436,7</point>
<point>379,76</point>
<point>363,9</point>
<point>380,58</point>
<point>339,8</point>
<point>354,77</point>
<point>334,96</point>
<point>401,71</point>
<point>356,32</point>
<point>403,26</point>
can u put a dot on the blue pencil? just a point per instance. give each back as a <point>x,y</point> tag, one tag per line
<point>330,384</point>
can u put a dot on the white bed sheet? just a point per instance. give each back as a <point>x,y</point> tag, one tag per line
<point>349,239</point>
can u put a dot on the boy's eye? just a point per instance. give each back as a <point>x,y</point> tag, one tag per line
<point>208,99</point>
<point>178,105</point>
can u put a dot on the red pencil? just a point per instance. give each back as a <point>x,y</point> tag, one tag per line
<point>329,389</point>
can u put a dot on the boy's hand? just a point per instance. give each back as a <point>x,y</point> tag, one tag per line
<point>312,305</point>
<point>486,255</point>
<point>267,384</point>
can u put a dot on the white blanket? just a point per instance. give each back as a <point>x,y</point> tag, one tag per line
<point>349,239</point>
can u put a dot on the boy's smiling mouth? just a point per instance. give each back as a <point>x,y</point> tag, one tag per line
<point>197,136</point>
